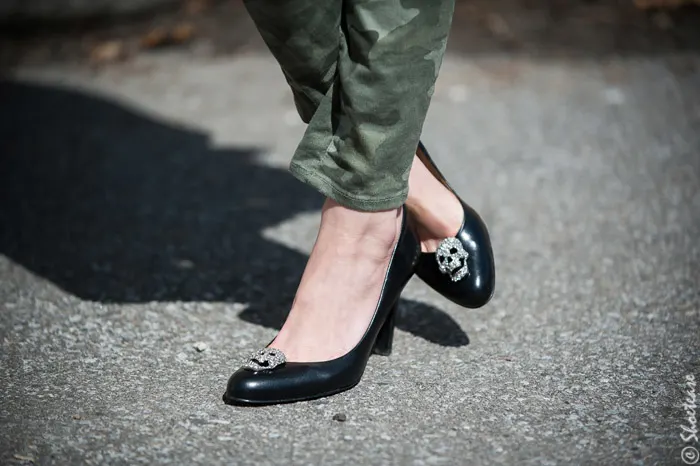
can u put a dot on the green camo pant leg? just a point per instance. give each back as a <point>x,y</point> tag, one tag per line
<point>361,138</point>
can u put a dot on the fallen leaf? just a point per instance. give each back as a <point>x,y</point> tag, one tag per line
<point>24,458</point>
<point>155,38</point>
<point>107,52</point>
<point>182,33</point>
<point>162,37</point>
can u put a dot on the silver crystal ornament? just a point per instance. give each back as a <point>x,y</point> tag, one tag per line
<point>266,359</point>
<point>452,258</point>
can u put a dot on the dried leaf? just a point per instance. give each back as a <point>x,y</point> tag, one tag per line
<point>24,458</point>
<point>155,38</point>
<point>162,37</point>
<point>107,52</point>
<point>182,33</point>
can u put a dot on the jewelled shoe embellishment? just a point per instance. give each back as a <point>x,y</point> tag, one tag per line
<point>266,359</point>
<point>452,259</point>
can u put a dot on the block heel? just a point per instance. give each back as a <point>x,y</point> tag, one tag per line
<point>385,338</point>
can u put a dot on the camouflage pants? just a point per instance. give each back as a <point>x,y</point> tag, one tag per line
<point>362,73</point>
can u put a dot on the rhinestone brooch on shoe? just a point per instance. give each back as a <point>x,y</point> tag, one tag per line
<point>452,259</point>
<point>266,359</point>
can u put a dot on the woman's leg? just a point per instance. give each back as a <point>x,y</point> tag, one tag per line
<point>341,283</point>
<point>377,62</point>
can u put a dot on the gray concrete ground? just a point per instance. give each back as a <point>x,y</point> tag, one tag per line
<point>139,207</point>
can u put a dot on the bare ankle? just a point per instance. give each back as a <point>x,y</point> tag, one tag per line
<point>380,227</point>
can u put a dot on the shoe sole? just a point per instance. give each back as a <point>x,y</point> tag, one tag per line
<point>243,402</point>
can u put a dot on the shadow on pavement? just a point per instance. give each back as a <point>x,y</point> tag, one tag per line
<point>114,206</point>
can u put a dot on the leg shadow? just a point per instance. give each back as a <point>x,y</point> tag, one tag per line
<point>115,206</point>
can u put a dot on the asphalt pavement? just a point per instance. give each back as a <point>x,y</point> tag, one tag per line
<point>150,238</point>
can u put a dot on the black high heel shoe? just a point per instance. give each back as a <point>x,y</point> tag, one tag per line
<point>269,379</point>
<point>462,269</point>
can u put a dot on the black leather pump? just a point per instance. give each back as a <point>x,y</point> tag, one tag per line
<point>269,379</point>
<point>462,269</point>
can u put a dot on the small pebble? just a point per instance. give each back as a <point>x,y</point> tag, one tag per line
<point>340,417</point>
<point>184,264</point>
<point>200,346</point>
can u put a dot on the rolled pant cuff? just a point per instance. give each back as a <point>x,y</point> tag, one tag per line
<point>331,189</point>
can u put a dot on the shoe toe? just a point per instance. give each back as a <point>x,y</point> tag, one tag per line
<point>476,288</point>
<point>288,383</point>
<point>248,387</point>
